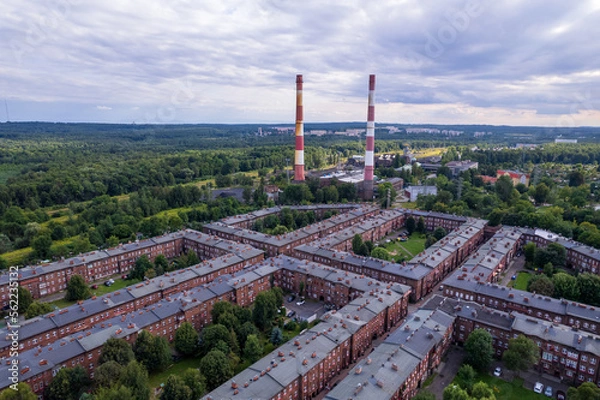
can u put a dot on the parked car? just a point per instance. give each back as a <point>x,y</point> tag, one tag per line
<point>299,303</point>
<point>548,391</point>
<point>124,276</point>
<point>94,286</point>
<point>538,387</point>
<point>291,298</point>
<point>513,278</point>
<point>560,395</point>
<point>108,283</point>
<point>291,313</point>
<point>498,371</point>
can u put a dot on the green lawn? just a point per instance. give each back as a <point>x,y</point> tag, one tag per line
<point>509,390</point>
<point>522,280</point>
<point>155,379</point>
<point>102,290</point>
<point>413,246</point>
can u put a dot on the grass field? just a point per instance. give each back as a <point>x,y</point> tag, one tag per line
<point>522,280</point>
<point>102,290</point>
<point>509,390</point>
<point>413,246</point>
<point>178,368</point>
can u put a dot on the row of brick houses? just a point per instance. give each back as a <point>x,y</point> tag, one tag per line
<point>46,279</point>
<point>305,365</point>
<point>565,352</point>
<point>475,281</point>
<point>422,273</point>
<point>57,324</point>
<point>380,307</point>
<point>284,244</point>
<point>397,368</point>
<point>248,220</point>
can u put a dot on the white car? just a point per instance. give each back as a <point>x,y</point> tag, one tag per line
<point>299,303</point>
<point>498,371</point>
<point>538,387</point>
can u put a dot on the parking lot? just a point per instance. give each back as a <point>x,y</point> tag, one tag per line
<point>306,310</point>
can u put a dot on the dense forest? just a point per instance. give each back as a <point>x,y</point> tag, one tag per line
<point>68,188</point>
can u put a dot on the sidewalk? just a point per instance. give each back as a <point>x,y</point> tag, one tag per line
<point>446,371</point>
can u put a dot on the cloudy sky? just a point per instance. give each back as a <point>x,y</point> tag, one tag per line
<point>530,62</point>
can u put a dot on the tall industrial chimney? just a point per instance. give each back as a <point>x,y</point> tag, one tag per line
<point>369,156</point>
<point>299,156</point>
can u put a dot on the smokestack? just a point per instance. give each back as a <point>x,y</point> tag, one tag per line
<point>369,156</point>
<point>299,156</point>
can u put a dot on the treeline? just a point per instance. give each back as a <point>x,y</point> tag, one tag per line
<point>106,221</point>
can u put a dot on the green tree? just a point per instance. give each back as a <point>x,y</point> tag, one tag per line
<point>68,384</point>
<point>421,225</point>
<point>210,336</point>
<point>196,382</point>
<point>482,391</point>
<point>381,253</point>
<point>37,308</point>
<point>540,193</point>
<point>356,243</point>
<point>161,264</point>
<point>576,178</point>
<point>541,284</point>
<point>41,245</point>
<point>135,378</point>
<point>215,368</point>
<point>142,265</point>
<point>108,373</point>
<point>253,349</point>
<point>77,289</point>
<point>586,391</point>
<point>245,330</point>
<point>152,351</point>
<point>521,354</point>
<point>466,375</point>
<point>439,233</point>
<point>23,392</point>
<point>220,307</point>
<point>25,299</point>
<point>175,389</point>
<point>115,392</point>
<point>455,392</point>
<point>505,189</point>
<point>117,350</point>
<point>589,288</point>
<point>192,258</point>
<point>565,286</point>
<point>276,336</point>
<point>479,349</point>
<point>410,225</point>
<point>264,310</point>
<point>529,252</point>
<point>186,339</point>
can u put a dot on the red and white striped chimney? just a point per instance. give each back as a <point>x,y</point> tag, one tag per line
<point>369,156</point>
<point>299,155</point>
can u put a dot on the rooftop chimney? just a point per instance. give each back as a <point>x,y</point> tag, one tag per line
<point>369,162</point>
<point>299,156</point>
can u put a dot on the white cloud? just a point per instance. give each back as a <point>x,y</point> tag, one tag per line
<point>103,108</point>
<point>229,61</point>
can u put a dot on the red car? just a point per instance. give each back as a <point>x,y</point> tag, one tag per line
<point>94,286</point>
